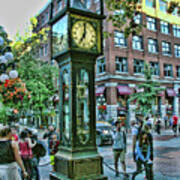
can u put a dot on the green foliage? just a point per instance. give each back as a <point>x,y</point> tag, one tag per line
<point>145,99</point>
<point>38,75</point>
<point>121,14</point>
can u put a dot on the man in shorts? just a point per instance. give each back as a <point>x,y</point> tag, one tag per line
<point>119,147</point>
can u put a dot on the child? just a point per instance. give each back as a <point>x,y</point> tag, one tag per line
<point>53,145</point>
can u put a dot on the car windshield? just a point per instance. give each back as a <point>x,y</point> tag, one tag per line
<point>103,127</point>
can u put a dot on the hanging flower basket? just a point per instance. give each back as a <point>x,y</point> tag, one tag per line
<point>102,108</point>
<point>13,90</point>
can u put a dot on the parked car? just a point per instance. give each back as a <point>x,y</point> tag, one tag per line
<point>103,133</point>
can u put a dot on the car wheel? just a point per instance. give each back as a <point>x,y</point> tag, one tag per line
<point>98,141</point>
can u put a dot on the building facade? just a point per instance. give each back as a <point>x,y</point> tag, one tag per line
<point>121,67</point>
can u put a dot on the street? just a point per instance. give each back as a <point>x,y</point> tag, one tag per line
<point>166,159</point>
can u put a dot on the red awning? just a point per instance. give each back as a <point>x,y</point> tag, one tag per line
<point>100,90</point>
<point>171,92</point>
<point>124,90</point>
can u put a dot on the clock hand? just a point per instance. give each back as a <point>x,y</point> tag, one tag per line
<point>84,33</point>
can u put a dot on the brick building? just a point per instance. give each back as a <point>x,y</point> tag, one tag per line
<point>121,68</point>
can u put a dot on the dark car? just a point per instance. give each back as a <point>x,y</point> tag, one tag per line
<point>103,133</point>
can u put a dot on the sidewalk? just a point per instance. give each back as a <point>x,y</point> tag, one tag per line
<point>165,141</point>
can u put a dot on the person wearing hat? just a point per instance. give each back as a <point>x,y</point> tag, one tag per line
<point>119,146</point>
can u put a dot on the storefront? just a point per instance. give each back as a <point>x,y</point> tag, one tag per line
<point>169,101</point>
<point>123,92</point>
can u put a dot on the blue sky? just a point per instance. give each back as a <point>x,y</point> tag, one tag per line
<point>15,14</point>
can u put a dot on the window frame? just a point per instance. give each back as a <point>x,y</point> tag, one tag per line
<point>176,30</point>
<point>155,68</point>
<point>140,66</point>
<point>137,44</point>
<point>169,70</point>
<point>167,46</point>
<point>177,50</point>
<point>165,27</point>
<point>101,66</point>
<point>153,46</point>
<point>122,41</point>
<point>151,23</point>
<point>123,68</point>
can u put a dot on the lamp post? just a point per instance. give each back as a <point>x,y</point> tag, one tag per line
<point>76,43</point>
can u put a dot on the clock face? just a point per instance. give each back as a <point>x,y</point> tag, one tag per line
<point>84,34</point>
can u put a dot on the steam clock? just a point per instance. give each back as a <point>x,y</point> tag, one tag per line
<point>76,43</point>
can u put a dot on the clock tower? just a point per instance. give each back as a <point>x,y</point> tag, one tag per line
<point>76,40</point>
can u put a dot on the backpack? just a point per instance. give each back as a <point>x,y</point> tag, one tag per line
<point>39,150</point>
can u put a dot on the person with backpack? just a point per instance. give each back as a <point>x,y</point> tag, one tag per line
<point>175,125</point>
<point>25,148</point>
<point>54,143</point>
<point>9,156</point>
<point>144,153</point>
<point>119,147</point>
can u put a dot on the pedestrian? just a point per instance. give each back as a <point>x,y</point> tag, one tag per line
<point>48,135</point>
<point>119,147</point>
<point>54,143</point>
<point>174,125</point>
<point>14,133</point>
<point>144,153</point>
<point>166,119</point>
<point>9,156</point>
<point>158,125</point>
<point>136,130</point>
<point>25,147</point>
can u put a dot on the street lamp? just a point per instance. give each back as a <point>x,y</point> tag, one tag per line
<point>76,43</point>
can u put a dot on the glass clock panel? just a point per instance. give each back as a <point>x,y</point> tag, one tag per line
<point>82,106</point>
<point>58,6</point>
<point>60,35</point>
<point>87,5</point>
<point>65,104</point>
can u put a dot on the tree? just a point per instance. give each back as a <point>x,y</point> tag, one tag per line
<point>38,75</point>
<point>122,14</point>
<point>148,91</point>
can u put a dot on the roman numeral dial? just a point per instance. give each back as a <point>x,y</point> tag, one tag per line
<point>84,34</point>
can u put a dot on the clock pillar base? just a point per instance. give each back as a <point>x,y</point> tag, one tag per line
<point>79,168</point>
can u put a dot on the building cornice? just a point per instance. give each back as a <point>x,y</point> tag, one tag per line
<point>108,77</point>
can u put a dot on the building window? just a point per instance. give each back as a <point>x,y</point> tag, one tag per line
<point>177,50</point>
<point>41,51</point>
<point>45,49</point>
<point>152,45</point>
<point>121,64</point>
<point>168,72</point>
<point>101,66</point>
<point>178,71</point>
<point>150,3</point>
<point>176,31</point>
<point>166,48</point>
<point>164,27</point>
<point>119,39</point>
<point>59,5</point>
<point>138,66</point>
<point>137,43</point>
<point>151,23</point>
<point>162,6</point>
<point>138,19</point>
<point>154,68</point>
